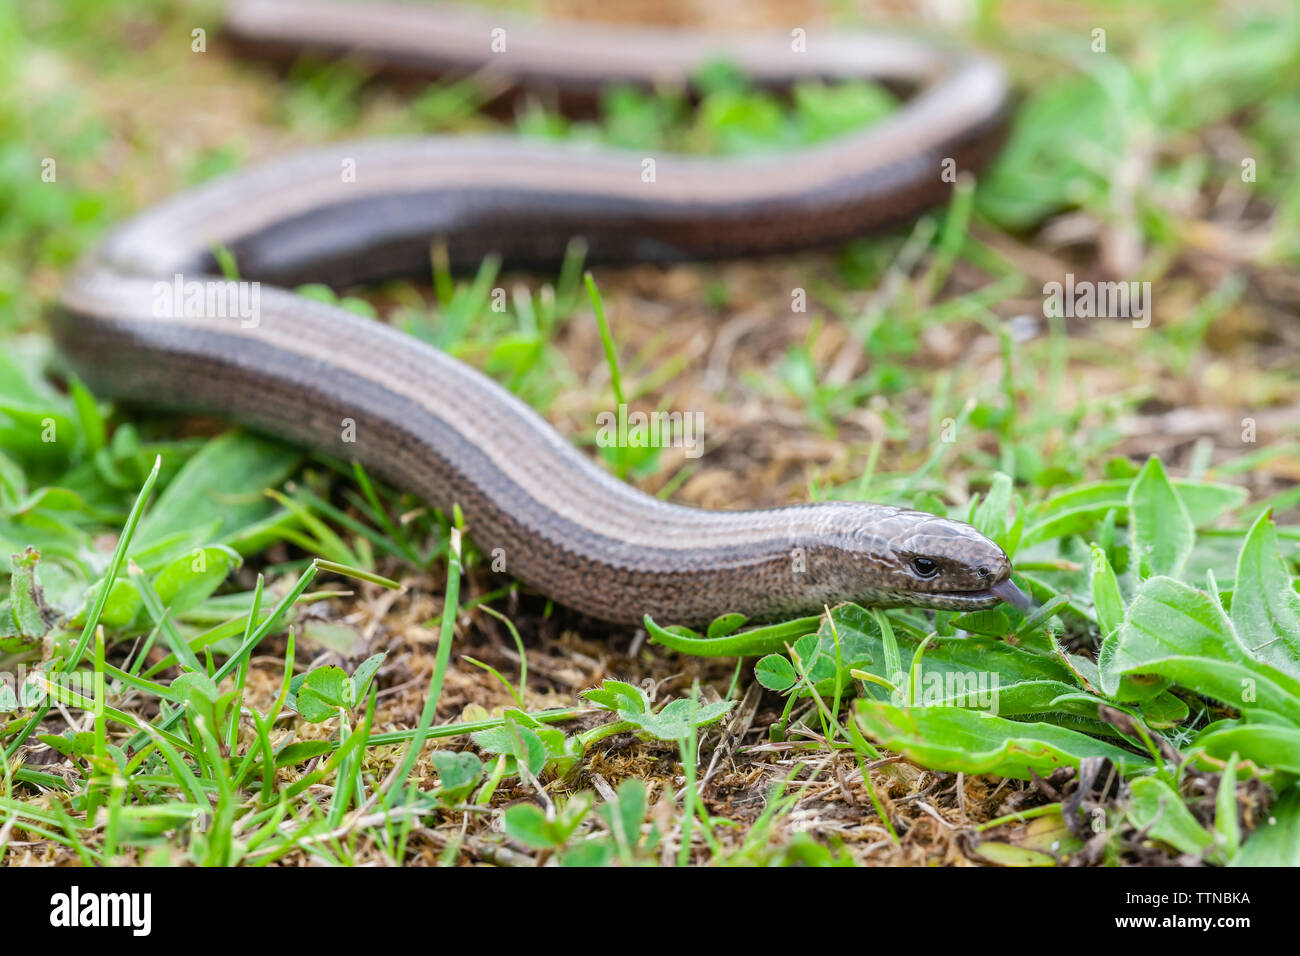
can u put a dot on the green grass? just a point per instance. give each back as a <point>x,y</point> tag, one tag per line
<point>213,581</point>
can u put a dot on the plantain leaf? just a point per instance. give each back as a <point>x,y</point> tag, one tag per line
<point>1163,533</point>
<point>618,695</point>
<point>200,497</point>
<point>1177,633</point>
<point>1265,606</point>
<point>1156,808</point>
<point>969,741</point>
<point>1276,841</point>
<point>754,642</point>
<point>678,718</point>
<point>1263,744</point>
<point>25,627</point>
<point>1080,508</point>
<point>190,579</point>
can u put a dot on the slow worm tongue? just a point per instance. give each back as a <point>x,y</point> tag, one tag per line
<point>1008,591</point>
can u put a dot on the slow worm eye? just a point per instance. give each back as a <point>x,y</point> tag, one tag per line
<point>925,567</point>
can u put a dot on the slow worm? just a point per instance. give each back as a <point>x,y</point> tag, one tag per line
<point>320,376</point>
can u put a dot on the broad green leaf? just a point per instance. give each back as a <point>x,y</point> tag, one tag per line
<point>726,624</point>
<point>527,824</point>
<point>1132,687</point>
<point>93,429</point>
<point>776,673</point>
<point>562,751</point>
<point>323,692</point>
<point>523,719</point>
<point>1163,534</point>
<point>1080,508</point>
<point>1266,745</point>
<point>892,656</point>
<point>968,690</point>
<point>343,639</point>
<point>752,643</point>
<point>1007,854</point>
<point>25,605</point>
<point>221,485</point>
<point>31,410</point>
<point>1042,169</point>
<point>1226,824</point>
<point>78,745</point>
<point>195,687</point>
<point>1106,600</point>
<point>1049,834</point>
<point>516,741</point>
<point>991,623</point>
<point>850,639</point>
<point>990,517</point>
<point>1276,841</point>
<point>186,582</point>
<point>300,751</point>
<point>625,813</point>
<point>1156,808</point>
<point>366,670</point>
<point>618,695</point>
<point>816,658</point>
<point>964,672</point>
<point>52,499</point>
<point>588,854</point>
<point>679,718</point>
<point>1164,710</point>
<point>190,579</point>
<point>458,774</point>
<point>1109,608</point>
<point>1180,634</point>
<point>121,607</point>
<point>1265,606</point>
<point>172,546</point>
<point>13,484</point>
<point>969,741</point>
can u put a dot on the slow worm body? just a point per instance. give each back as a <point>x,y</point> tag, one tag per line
<point>320,376</point>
